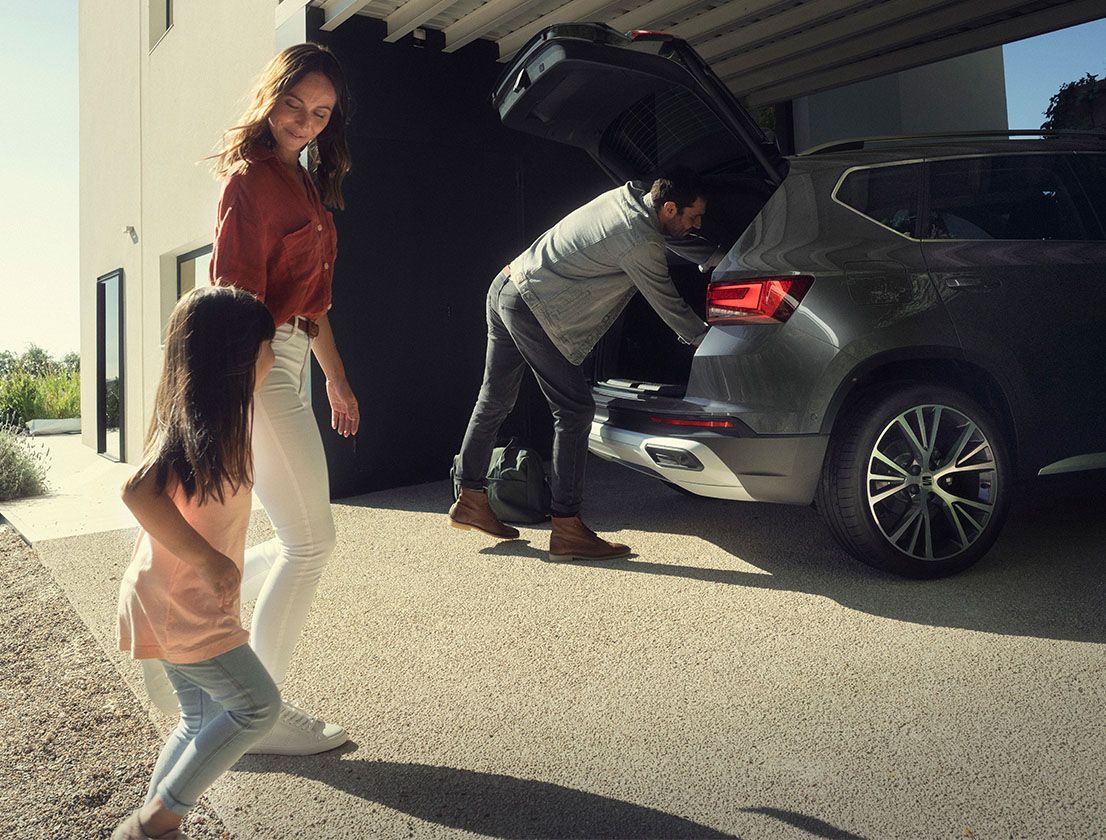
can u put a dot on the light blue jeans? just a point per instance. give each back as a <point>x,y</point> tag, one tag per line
<point>228,703</point>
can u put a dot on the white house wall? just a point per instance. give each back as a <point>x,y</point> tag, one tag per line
<point>148,120</point>
<point>111,35</point>
<point>194,87</point>
<point>960,94</point>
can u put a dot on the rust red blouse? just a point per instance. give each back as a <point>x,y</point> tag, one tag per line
<point>275,239</point>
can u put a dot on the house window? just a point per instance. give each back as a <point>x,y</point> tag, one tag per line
<point>109,366</point>
<point>192,269</point>
<point>161,19</point>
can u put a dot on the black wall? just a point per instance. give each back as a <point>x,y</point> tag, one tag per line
<point>441,196</point>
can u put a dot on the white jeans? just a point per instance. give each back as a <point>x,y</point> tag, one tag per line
<point>290,479</point>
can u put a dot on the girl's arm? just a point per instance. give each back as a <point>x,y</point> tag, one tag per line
<point>160,518</point>
<point>345,416</point>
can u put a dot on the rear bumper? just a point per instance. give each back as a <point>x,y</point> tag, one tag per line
<point>781,469</point>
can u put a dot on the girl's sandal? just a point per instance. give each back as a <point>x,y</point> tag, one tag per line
<point>131,829</point>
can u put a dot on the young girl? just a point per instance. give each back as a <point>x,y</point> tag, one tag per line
<point>178,601</point>
<point>275,238</point>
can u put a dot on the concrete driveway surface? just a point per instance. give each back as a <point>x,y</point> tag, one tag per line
<point>739,677</point>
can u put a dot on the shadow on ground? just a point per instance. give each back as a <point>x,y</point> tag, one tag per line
<point>504,806</point>
<point>1043,578</point>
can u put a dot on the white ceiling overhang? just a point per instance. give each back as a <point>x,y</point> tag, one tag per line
<point>767,51</point>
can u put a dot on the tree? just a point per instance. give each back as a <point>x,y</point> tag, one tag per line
<point>36,361</point>
<point>1078,105</point>
<point>71,362</point>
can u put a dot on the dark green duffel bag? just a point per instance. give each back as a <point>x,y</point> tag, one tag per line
<point>517,489</point>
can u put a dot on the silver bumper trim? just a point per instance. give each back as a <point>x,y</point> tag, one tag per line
<point>715,480</point>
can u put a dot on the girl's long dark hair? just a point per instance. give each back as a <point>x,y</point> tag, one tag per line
<point>200,434</point>
<point>327,155</point>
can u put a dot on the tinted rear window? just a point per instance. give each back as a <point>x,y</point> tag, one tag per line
<point>1028,197</point>
<point>1093,176</point>
<point>662,126</point>
<point>885,194</point>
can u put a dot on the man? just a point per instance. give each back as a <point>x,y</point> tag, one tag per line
<point>547,310</point>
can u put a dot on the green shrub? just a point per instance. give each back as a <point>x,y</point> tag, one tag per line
<point>59,395</point>
<point>19,397</point>
<point>23,465</point>
<point>35,387</point>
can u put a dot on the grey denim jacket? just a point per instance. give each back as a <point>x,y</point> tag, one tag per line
<point>580,274</point>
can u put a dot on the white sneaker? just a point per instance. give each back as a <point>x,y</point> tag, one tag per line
<point>158,687</point>
<point>299,733</point>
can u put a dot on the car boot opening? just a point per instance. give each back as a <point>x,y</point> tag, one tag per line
<point>640,347</point>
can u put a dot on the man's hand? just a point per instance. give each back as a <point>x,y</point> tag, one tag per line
<point>712,261</point>
<point>345,415</point>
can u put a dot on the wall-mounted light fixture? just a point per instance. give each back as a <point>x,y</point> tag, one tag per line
<point>129,229</point>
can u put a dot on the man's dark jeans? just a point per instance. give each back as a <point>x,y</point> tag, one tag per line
<point>515,340</point>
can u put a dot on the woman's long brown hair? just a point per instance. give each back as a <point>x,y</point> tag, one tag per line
<point>328,157</point>
<point>200,434</point>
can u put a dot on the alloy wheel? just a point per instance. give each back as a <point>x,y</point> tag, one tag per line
<point>932,482</point>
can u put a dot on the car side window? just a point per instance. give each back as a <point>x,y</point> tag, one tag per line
<point>885,194</point>
<point>1092,174</point>
<point>1027,197</point>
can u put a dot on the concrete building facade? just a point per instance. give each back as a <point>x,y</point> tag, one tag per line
<point>967,93</point>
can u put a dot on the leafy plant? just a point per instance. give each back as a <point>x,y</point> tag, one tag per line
<point>35,387</point>
<point>37,361</point>
<point>23,464</point>
<point>1077,105</point>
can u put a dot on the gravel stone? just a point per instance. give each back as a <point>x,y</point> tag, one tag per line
<point>76,747</point>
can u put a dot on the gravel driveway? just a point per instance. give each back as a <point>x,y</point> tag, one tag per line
<point>76,747</point>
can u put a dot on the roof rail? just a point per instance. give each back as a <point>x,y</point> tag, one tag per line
<point>862,142</point>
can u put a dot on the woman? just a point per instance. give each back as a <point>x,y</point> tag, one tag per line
<point>275,238</point>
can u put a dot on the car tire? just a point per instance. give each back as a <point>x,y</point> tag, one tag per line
<point>916,481</point>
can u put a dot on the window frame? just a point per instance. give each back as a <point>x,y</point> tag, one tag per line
<point>168,22</point>
<point>1066,156</point>
<point>920,190</point>
<point>191,255</point>
<point>1080,162</point>
<point>101,365</point>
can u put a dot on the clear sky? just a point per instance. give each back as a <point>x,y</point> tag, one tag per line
<point>39,152</point>
<point>38,171</point>
<point>1036,67</point>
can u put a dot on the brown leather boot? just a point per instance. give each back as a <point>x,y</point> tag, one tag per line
<point>471,511</point>
<point>571,539</point>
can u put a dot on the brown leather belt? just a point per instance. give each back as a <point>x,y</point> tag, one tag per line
<point>306,324</point>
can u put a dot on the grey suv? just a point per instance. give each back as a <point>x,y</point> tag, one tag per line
<point>901,328</point>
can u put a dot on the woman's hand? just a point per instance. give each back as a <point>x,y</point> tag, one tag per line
<point>224,577</point>
<point>345,416</point>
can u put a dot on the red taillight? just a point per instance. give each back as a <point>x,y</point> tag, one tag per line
<point>704,424</point>
<point>760,300</point>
